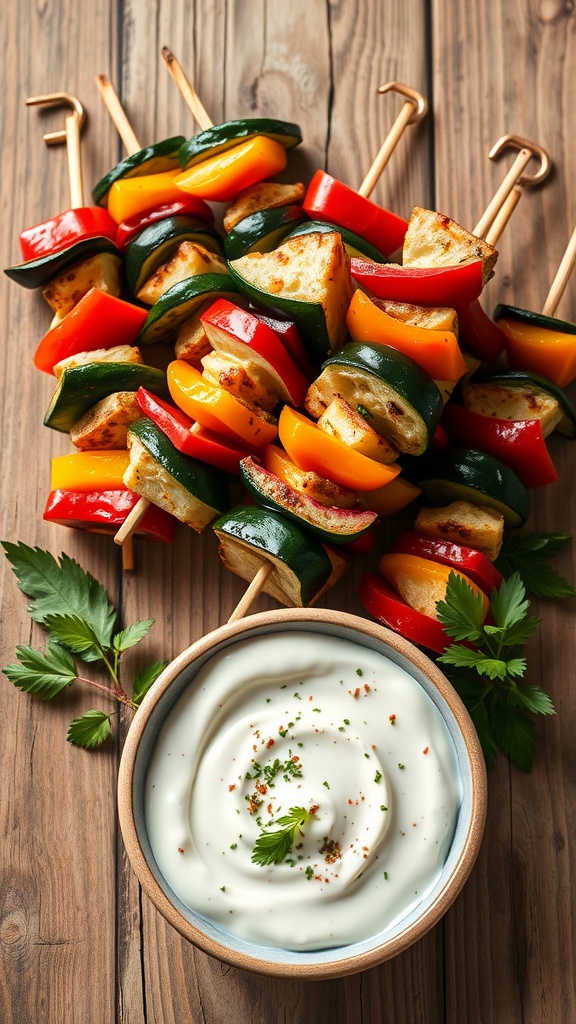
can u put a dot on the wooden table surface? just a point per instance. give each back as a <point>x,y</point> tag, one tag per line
<point>79,942</point>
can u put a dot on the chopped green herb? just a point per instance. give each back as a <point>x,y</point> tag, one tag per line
<point>309,872</point>
<point>274,847</point>
<point>378,776</point>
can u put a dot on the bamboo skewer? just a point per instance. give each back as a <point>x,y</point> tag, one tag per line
<point>189,95</point>
<point>117,114</point>
<point>503,216</point>
<point>251,593</point>
<point>562,277</point>
<point>413,110</point>
<point>70,135</point>
<point>515,176</point>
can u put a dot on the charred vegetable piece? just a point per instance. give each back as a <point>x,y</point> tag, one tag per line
<point>81,387</point>
<point>221,137</point>
<point>301,567</point>
<point>162,156</point>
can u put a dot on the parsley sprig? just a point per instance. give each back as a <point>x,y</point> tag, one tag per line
<point>272,847</point>
<point>81,622</point>
<point>487,666</point>
<point>528,555</point>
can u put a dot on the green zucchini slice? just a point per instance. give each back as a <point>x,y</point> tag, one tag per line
<point>469,475</point>
<point>80,387</point>
<point>330,524</point>
<point>534,383</point>
<point>192,491</point>
<point>354,244</point>
<point>157,243</point>
<point>262,231</point>
<point>36,273</point>
<point>180,302</point>
<point>250,537</point>
<point>526,316</point>
<point>398,399</point>
<point>306,280</point>
<point>162,156</point>
<point>231,133</point>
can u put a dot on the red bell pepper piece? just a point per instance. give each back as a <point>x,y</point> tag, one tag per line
<point>519,444</point>
<point>189,437</point>
<point>288,334</point>
<point>190,205</point>
<point>387,607</point>
<point>363,545</point>
<point>66,228</point>
<point>328,199</point>
<point>105,511</point>
<point>236,330</point>
<point>478,333</point>
<point>441,438</point>
<point>98,320</point>
<point>471,562</point>
<point>425,286</point>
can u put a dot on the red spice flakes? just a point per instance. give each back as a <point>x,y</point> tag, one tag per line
<point>231,787</point>
<point>367,688</point>
<point>269,808</point>
<point>355,693</point>
<point>261,787</point>
<point>270,742</point>
<point>295,757</point>
<point>314,808</point>
<point>180,850</point>
<point>425,751</point>
<point>331,850</point>
<point>392,719</point>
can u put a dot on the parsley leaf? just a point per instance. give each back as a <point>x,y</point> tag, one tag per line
<point>274,847</point>
<point>144,679</point>
<point>132,635</point>
<point>491,667</point>
<point>528,554</point>
<point>90,730</point>
<point>42,674</point>
<point>61,589</point>
<point>81,621</point>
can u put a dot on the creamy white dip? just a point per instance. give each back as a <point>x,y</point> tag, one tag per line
<point>292,720</point>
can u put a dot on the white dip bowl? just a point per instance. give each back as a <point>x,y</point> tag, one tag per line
<point>142,823</point>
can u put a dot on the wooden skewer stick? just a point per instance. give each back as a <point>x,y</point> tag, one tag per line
<point>117,114</point>
<point>503,216</point>
<point>189,95</point>
<point>252,591</point>
<point>515,176</point>
<point>562,277</point>
<point>413,110</point>
<point>131,522</point>
<point>70,135</point>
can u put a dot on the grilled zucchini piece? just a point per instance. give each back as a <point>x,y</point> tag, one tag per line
<point>266,195</point>
<point>403,403</point>
<point>302,568</point>
<point>102,271</point>
<point>189,260</point>
<point>191,491</point>
<point>117,354</point>
<point>476,526</point>
<point>106,424</point>
<point>353,428</point>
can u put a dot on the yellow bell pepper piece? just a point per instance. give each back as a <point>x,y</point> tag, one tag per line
<point>551,353</point>
<point>392,498</point>
<point>90,471</point>
<point>215,408</point>
<point>221,177</point>
<point>422,582</point>
<point>130,196</point>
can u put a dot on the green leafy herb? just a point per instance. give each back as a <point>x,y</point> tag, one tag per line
<point>364,413</point>
<point>274,847</point>
<point>90,730</point>
<point>491,667</point>
<point>528,555</point>
<point>81,621</point>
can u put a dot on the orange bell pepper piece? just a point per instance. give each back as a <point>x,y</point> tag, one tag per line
<point>437,352</point>
<point>392,498</point>
<point>130,196</point>
<point>549,352</point>
<point>215,408</point>
<point>313,449</point>
<point>90,471</point>
<point>422,582</point>
<point>221,177</point>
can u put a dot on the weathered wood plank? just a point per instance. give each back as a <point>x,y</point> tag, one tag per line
<point>503,68</point>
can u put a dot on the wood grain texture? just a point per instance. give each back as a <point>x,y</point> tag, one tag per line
<point>78,941</point>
